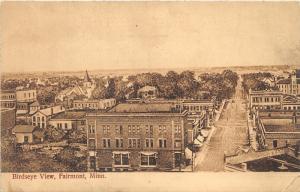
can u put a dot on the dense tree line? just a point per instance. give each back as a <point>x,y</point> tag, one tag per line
<point>256,81</point>
<point>173,85</point>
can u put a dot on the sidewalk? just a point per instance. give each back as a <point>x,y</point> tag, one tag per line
<point>252,132</point>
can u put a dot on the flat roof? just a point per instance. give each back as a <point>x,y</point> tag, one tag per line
<point>69,115</point>
<point>280,126</point>
<point>145,108</point>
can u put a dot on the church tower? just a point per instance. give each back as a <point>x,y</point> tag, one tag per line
<point>87,82</point>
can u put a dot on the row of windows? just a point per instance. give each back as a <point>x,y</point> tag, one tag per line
<point>266,99</point>
<point>122,159</point>
<point>134,129</point>
<point>132,143</point>
<point>194,108</point>
<point>40,125</point>
<point>8,96</point>
<point>38,119</point>
<point>94,105</point>
<point>29,95</point>
<point>8,105</point>
<point>291,107</point>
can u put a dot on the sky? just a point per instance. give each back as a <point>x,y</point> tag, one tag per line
<point>70,36</point>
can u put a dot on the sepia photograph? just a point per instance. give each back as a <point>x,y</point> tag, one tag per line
<point>150,96</point>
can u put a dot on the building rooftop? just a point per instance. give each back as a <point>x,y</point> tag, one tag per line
<point>280,125</point>
<point>265,92</point>
<point>23,129</point>
<point>70,115</point>
<point>52,110</point>
<point>284,81</point>
<point>298,73</point>
<point>144,108</point>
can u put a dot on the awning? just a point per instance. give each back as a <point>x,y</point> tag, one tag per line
<point>148,153</point>
<point>188,153</point>
<point>204,132</point>
<point>200,138</point>
<point>197,143</point>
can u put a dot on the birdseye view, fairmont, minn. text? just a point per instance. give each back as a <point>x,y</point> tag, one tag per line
<point>223,105</point>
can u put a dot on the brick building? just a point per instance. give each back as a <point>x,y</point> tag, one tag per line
<point>8,120</point>
<point>278,128</point>
<point>8,99</point>
<point>290,85</point>
<point>138,137</point>
<point>265,99</point>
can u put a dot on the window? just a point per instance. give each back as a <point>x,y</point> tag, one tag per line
<point>149,143</point>
<point>148,159</point>
<point>106,129</point>
<point>83,122</point>
<point>134,143</point>
<point>177,144</point>
<point>66,125</point>
<point>92,143</point>
<point>106,143</point>
<point>129,129</point>
<point>275,143</point>
<point>91,129</point>
<point>38,119</point>
<point>119,143</point>
<point>93,162</point>
<point>177,129</point>
<point>162,143</point>
<point>33,118</point>
<point>121,159</point>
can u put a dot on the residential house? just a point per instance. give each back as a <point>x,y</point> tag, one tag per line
<point>69,120</point>
<point>147,92</point>
<point>41,117</point>
<point>24,133</point>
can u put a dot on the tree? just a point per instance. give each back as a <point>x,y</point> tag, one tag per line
<point>53,134</point>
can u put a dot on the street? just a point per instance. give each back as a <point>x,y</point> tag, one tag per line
<point>230,133</point>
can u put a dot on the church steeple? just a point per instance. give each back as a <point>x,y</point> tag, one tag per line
<point>87,77</point>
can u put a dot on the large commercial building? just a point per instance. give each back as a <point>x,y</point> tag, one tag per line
<point>290,85</point>
<point>265,99</point>
<point>278,128</point>
<point>138,137</point>
<point>8,99</point>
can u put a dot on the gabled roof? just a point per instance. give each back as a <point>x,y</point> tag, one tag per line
<point>51,110</point>
<point>35,104</point>
<point>23,129</point>
<point>284,81</point>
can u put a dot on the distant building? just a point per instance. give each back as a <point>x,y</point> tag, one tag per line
<point>94,104</point>
<point>41,117</point>
<point>147,92</point>
<point>278,129</point>
<point>291,102</point>
<point>8,120</point>
<point>71,93</point>
<point>69,120</point>
<point>24,133</point>
<point>138,137</point>
<point>290,85</point>
<point>8,99</point>
<point>26,95</point>
<point>265,99</point>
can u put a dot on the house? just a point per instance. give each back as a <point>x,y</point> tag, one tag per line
<point>278,129</point>
<point>41,117</point>
<point>137,137</point>
<point>290,85</point>
<point>147,92</point>
<point>33,107</point>
<point>94,104</point>
<point>24,133</point>
<point>291,102</point>
<point>69,120</point>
